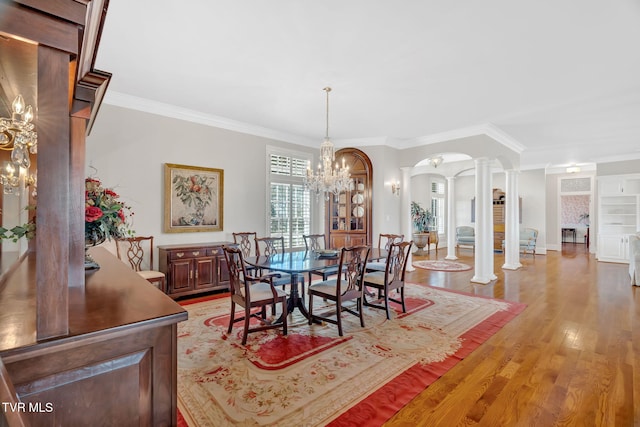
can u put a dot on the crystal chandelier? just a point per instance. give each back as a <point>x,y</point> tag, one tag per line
<point>329,178</point>
<point>17,134</point>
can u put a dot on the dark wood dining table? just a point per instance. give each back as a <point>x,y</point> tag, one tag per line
<point>297,262</point>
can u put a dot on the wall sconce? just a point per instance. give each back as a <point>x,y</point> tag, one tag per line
<point>395,188</point>
<point>17,134</point>
<point>436,161</point>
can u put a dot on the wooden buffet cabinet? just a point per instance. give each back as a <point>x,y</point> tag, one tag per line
<point>194,268</point>
<point>79,348</point>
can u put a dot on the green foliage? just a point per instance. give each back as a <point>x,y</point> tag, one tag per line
<point>422,218</point>
<point>27,230</point>
<point>193,190</point>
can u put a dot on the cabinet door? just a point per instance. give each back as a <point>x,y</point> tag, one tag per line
<point>357,239</point>
<point>611,248</point>
<point>610,185</point>
<point>223,271</point>
<point>338,241</point>
<point>181,274</point>
<point>205,272</point>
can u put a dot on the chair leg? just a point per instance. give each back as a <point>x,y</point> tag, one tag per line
<point>360,311</point>
<point>232,317</point>
<point>310,308</point>
<point>404,309</point>
<point>386,303</point>
<point>339,315</point>
<point>284,316</point>
<point>247,319</point>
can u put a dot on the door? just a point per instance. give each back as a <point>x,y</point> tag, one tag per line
<point>205,272</point>
<point>180,275</point>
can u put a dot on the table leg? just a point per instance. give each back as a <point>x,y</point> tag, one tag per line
<point>295,300</point>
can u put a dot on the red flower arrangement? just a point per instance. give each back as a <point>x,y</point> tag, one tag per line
<point>105,216</point>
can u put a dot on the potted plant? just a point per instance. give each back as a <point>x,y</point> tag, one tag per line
<point>422,219</point>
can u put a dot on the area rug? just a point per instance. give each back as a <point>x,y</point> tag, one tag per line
<point>441,265</point>
<point>313,377</point>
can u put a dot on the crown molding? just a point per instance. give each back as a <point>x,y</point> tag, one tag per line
<point>488,129</point>
<point>119,99</point>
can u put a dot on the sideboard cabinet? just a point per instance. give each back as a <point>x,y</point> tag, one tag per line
<point>194,268</point>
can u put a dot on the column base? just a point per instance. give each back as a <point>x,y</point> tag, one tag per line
<point>481,280</point>
<point>511,266</point>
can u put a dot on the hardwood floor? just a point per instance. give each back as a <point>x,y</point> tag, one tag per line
<point>571,358</point>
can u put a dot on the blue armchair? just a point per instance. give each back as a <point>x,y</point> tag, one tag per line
<point>465,236</point>
<point>528,238</point>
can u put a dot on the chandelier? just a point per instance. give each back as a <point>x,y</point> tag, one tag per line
<point>435,161</point>
<point>17,134</point>
<point>329,178</point>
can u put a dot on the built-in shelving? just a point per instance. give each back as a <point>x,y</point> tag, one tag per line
<point>618,216</point>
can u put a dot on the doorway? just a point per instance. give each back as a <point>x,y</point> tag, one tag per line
<point>575,213</point>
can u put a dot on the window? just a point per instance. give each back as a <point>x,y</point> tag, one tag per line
<point>437,205</point>
<point>289,202</point>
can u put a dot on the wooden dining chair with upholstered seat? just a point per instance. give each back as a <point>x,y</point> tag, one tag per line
<point>384,242</point>
<point>392,278</point>
<point>272,246</point>
<point>316,243</point>
<point>246,242</point>
<point>250,292</point>
<point>344,287</point>
<point>137,252</point>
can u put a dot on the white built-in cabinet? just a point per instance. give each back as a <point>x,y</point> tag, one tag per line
<point>618,215</point>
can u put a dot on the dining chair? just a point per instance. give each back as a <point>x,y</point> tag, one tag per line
<point>392,278</point>
<point>384,242</point>
<point>344,287</point>
<point>250,292</point>
<point>273,246</point>
<point>137,252</point>
<point>246,242</point>
<point>317,242</point>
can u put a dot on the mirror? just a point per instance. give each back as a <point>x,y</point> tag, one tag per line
<point>18,76</point>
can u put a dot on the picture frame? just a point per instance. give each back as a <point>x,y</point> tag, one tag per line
<point>193,198</point>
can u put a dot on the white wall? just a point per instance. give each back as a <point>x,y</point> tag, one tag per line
<point>386,206</point>
<point>531,187</point>
<point>129,149</point>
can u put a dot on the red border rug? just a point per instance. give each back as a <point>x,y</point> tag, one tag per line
<point>441,265</point>
<point>314,377</point>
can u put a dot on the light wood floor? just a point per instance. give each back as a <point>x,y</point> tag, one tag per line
<point>571,358</point>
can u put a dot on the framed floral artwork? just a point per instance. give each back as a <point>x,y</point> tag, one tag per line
<point>193,198</point>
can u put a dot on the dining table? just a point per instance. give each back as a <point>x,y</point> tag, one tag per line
<point>302,261</point>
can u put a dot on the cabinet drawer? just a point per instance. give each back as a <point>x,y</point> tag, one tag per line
<point>187,254</point>
<point>215,251</point>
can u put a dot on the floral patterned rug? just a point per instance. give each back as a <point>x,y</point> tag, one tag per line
<point>441,265</point>
<point>313,377</point>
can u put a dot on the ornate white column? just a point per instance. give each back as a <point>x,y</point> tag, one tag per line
<point>512,219</point>
<point>451,218</point>
<point>484,223</point>
<point>405,210</point>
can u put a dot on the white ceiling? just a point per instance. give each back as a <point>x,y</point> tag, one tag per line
<point>559,77</point>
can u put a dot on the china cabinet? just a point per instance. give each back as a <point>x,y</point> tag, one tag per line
<point>348,215</point>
